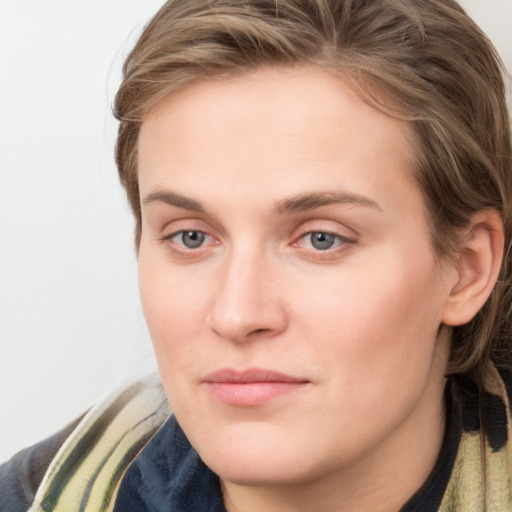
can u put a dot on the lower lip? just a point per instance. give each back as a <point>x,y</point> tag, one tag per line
<point>251,394</point>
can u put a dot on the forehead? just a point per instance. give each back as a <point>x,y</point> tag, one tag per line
<point>291,126</point>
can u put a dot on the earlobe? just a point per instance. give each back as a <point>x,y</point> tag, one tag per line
<point>478,265</point>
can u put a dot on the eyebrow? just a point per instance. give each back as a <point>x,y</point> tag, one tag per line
<point>300,203</point>
<point>317,199</point>
<point>174,199</point>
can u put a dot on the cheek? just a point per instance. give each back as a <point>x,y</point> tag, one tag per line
<point>375,319</point>
<point>172,316</point>
<point>376,344</point>
<point>174,307</point>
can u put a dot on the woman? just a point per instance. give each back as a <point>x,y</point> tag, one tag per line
<point>321,192</point>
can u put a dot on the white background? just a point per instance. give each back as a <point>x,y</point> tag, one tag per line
<point>70,319</point>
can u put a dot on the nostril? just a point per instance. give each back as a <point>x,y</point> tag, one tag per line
<point>258,332</point>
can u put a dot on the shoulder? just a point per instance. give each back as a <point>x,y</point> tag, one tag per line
<point>481,475</point>
<point>87,459</point>
<point>21,476</point>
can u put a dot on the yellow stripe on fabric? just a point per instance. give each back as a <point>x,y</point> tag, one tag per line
<point>76,449</point>
<point>499,480</point>
<point>90,487</point>
<point>481,478</point>
<point>102,495</point>
<point>465,491</point>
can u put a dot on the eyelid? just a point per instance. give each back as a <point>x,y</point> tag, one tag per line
<point>173,234</point>
<point>323,225</point>
<point>343,235</point>
<point>329,255</point>
<point>182,230</point>
<point>180,251</point>
<point>346,239</point>
<point>181,224</point>
<point>334,234</point>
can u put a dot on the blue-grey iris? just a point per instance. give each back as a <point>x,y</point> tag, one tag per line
<point>322,241</point>
<point>192,239</point>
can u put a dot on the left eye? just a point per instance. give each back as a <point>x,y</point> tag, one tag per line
<point>322,241</point>
<point>192,239</point>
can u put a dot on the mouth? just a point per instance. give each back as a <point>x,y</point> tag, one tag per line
<point>252,387</point>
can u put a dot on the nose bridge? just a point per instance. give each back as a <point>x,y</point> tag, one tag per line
<point>246,302</point>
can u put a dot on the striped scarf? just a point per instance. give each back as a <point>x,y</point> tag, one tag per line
<point>86,473</point>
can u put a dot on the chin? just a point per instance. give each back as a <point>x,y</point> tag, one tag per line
<point>258,472</point>
<point>258,460</point>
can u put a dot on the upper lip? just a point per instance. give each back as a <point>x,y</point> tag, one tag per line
<point>250,375</point>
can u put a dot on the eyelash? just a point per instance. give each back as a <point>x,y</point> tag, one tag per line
<point>184,251</point>
<point>343,243</point>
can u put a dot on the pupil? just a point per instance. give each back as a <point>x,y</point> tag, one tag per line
<point>322,241</point>
<point>192,239</point>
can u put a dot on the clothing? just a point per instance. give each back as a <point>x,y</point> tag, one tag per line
<point>141,460</point>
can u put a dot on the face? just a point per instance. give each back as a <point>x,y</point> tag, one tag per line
<point>287,277</point>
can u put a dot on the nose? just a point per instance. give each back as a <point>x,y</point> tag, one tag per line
<point>247,302</point>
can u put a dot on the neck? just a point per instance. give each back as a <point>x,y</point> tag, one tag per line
<point>383,483</point>
<point>383,479</point>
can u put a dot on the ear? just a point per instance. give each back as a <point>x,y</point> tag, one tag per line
<point>478,265</point>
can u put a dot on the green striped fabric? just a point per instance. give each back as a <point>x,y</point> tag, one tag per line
<point>481,479</point>
<point>86,472</point>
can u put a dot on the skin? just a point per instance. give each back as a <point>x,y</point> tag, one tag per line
<point>359,322</point>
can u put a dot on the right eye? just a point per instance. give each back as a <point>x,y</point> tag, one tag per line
<point>189,239</point>
<point>322,241</point>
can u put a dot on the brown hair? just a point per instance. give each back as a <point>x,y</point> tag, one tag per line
<point>420,60</point>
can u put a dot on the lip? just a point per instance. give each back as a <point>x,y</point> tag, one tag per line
<point>252,387</point>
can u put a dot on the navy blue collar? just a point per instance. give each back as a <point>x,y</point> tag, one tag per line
<point>168,475</point>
